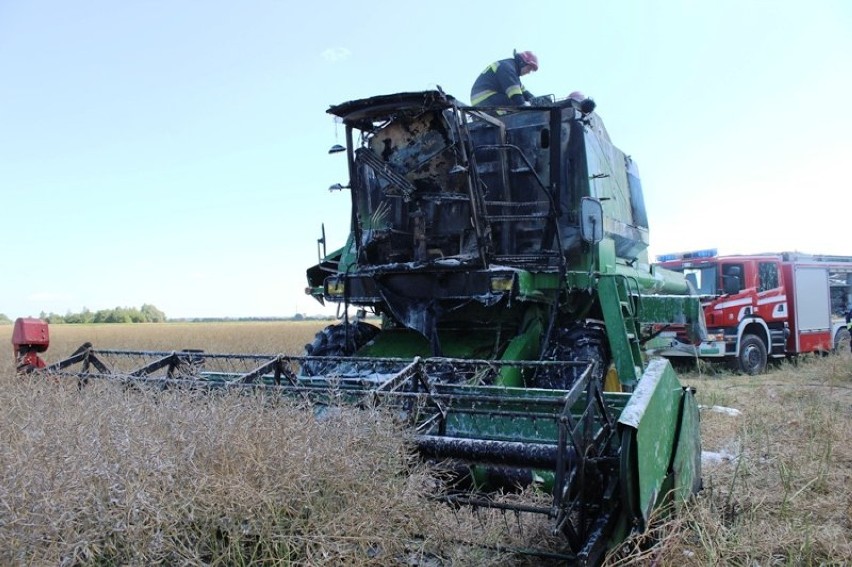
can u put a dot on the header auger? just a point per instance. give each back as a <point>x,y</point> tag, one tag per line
<point>502,253</point>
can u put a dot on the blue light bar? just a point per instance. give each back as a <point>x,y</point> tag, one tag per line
<point>706,253</point>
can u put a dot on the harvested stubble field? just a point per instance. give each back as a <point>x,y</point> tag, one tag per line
<point>103,476</point>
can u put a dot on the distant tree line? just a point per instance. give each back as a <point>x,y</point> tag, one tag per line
<point>296,317</point>
<point>150,314</point>
<point>145,314</point>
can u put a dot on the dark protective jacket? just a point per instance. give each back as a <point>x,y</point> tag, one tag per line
<point>499,85</point>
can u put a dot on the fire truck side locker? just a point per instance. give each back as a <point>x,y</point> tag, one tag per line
<point>810,314</point>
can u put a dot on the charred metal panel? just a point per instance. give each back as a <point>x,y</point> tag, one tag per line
<point>421,150</point>
<point>513,164</point>
<point>363,113</point>
<point>421,286</point>
<point>412,206</point>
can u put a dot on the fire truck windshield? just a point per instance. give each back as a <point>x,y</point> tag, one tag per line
<point>702,278</point>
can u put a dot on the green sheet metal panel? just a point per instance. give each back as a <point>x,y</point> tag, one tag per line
<point>405,343</point>
<point>687,460</point>
<point>653,412</point>
<point>674,309</point>
<point>524,346</point>
<point>510,414</point>
<point>538,286</point>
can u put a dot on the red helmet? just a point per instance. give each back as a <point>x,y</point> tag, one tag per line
<point>528,58</point>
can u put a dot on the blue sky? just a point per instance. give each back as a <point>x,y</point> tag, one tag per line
<point>175,153</point>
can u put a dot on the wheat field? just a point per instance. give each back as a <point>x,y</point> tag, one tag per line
<point>104,476</point>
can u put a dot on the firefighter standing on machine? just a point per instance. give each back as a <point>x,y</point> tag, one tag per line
<point>500,83</point>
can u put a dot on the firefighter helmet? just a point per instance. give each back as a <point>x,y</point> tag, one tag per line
<point>527,58</point>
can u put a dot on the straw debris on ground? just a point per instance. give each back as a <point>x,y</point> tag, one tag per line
<point>777,471</point>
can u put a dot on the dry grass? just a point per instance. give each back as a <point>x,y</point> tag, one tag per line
<point>104,477</point>
<point>778,488</point>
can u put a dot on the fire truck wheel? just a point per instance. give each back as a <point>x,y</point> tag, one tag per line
<point>752,357</point>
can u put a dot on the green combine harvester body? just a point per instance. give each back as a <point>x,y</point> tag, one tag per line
<point>502,255</point>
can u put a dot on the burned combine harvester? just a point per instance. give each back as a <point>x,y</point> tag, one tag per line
<point>503,252</point>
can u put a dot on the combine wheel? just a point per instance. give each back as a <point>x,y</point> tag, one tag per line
<point>752,357</point>
<point>570,345</point>
<point>343,339</point>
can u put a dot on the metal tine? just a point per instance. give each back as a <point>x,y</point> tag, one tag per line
<point>395,381</point>
<point>170,361</point>
<point>84,355</point>
<point>276,365</point>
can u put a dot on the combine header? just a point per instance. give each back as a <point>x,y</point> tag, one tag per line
<point>503,252</point>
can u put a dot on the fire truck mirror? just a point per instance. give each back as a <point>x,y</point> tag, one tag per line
<point>732,284</point>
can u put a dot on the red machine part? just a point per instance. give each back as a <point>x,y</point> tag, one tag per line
<point>29,337</point>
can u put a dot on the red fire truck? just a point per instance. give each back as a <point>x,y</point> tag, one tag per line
<point>763,306</point>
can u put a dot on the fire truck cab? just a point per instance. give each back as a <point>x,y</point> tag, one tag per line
<point>761,307</point>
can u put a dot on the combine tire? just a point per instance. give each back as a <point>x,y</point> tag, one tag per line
<point>752,357</point>
<point>344,339</point>
<point>571,345</point>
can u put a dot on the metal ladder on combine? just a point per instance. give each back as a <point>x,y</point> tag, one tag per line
<point>522,224</point>
<point>515,227</point>
<point>621,315</point>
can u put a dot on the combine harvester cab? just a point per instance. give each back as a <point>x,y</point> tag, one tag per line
<point>503,255</point>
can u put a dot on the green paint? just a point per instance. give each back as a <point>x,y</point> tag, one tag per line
<point>687,461</point>
<point>525,346</point>
<point>652,414</point>
<point>538,286</point>
<point>405,343</point>
<point>674,309</point>
<point>621,328</point>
